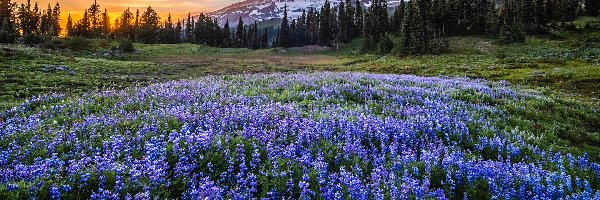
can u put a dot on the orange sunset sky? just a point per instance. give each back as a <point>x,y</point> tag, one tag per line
<point>177,8</point>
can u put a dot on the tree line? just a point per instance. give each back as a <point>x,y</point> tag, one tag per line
<point>29,20</point>
<point>419,26</point>
<point>414,27</point>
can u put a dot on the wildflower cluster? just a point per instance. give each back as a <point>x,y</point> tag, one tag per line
<point>301,136</point>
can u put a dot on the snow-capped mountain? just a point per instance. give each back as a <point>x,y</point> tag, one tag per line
<point>263,10</point>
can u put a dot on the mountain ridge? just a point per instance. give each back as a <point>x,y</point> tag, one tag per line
<point>264,10</point>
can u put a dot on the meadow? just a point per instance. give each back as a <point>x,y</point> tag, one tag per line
<point>485,121</point>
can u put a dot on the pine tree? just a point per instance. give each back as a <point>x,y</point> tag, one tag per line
<point>45,21</point>
<point>178,30</point>
<point>265,40</point>
<point>325,34</point>
<point>188,29</point>
<point>34,20</point>
<point>8,32</point>
<point>70,30</point>
<point>149,26</point>
<point>284,30</point>
<point>511,23</point>
<point>407,37</point>
<point>358,19</point>
<point>226,35</point>
<point>240,35</point>
<point>167,34</point>
<point>397,18</point>
<point>301,27</point>
<point>137,26</point>
<point>527,13</point>
<point>125,25</point>
<point>55,20</point>
<point>342,23</point>
<point>105,25</point>
<point>82,27</point>
<point>94,19</point>
<point>350,20</point>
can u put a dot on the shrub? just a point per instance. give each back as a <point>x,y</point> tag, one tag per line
<point>439,46</point>
<point>385,46</point>
<point>55,43</point>
<point>78,43</point>
<point>7,33</point>
<point>34,39</point>
<point>126,46</point>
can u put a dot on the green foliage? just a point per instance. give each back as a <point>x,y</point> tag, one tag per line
<point>386,45</point>
<point>35,39</point>
<point>126,46</point>
<point>440,46</point>
<point>78,43</point>
<point>8,34</point>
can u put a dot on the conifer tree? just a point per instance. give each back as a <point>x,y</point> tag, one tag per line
<point>527,12</point>
<point>264,39</point>
<point>397,18</point>
<point>8,32</point>
<point>35,17</point>
<point>55,20</point>
<point>240,35</point>
<point>82,27</point>
<point>45,22</point>
<point>325,34</point>
<point>351,26</point>
<point>149,26</point>
<point>188,29</point>
<point>94,19</point>
<point>70,30</point>
<point>125,25</point>
<point>358,19</point>
<point>407,37</point>
<point>105,27</point>
<point>226,35</point>
<point>178,30</point>
<point>343,24</point>
<point>284,30</point>
<point>137,26</point>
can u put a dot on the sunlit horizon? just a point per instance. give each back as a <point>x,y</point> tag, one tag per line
<point>178,9</point>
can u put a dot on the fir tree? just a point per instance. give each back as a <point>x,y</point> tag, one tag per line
<point>397,18</point>
<point>350,20</point>
<point>55,20</point>
<point>284,30</point>
<point>105,27</point>
<point>8,32</point>
<point>240,35</point>
<point>343,24</point>
<point>358,19</point>
<point>325,34</point>
<point>70,30</point>
<point>226,35</point>
<point>149,26</point>
<point>178,30</point>
<point>264,39</point>
<point>94,19</point>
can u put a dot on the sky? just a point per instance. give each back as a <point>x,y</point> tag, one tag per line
<point>177,8</point>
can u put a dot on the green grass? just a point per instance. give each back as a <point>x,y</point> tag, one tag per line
<point>566,65</point>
